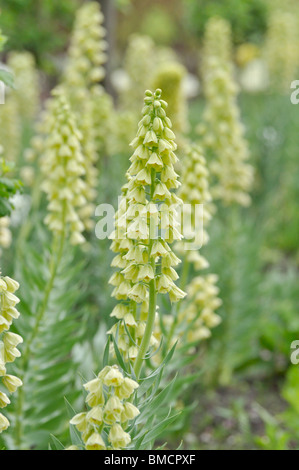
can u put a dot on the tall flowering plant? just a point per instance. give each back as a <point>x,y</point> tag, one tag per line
<point>145,227</point>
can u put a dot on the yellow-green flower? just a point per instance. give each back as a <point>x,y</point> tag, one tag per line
<point>86,54</point>
<point>91,105</point>
<point>195,193</point>
<point>110,415</point>
<point>63,167</point>
<point>4,423</point>
<point>95,442</point>
<point>198,313</point>
<point>8,342</point>
<point>221,130</point>
<point>118,438</point>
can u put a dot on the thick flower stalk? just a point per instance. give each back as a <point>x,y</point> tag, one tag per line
<point>110,411</point>
<point>222,131</point>
<point>8,342</point>
<point>146,225</point>
<point>27,87</point>
<point>62,165</point>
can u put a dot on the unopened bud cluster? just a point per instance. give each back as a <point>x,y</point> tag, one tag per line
<point>169,77</point>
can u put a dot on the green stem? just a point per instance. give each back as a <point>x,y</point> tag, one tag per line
<point>148,329</point>
<point>30,222</point>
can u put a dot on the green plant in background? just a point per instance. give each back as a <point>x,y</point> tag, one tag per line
<point>5,76</point>
<point>159,25</point>
<point>248,18</point>
<point>224,142</point>
<point>222,131</point>
<point>279,325</point>
<point>11,128</point>
<point>282,430</point>
<point>86,55</point>
<point>158,67</point>
<point>196,316</point>
<point>281,48</point>
<point>21,106</point>
<point>8,188</point>
<point>123,4</point>
<point>138,65</point>
<point>56,18</point>
<point>62,165</point>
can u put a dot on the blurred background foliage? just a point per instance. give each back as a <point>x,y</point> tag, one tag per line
<point>248,18</point>
<point>43,26</point>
